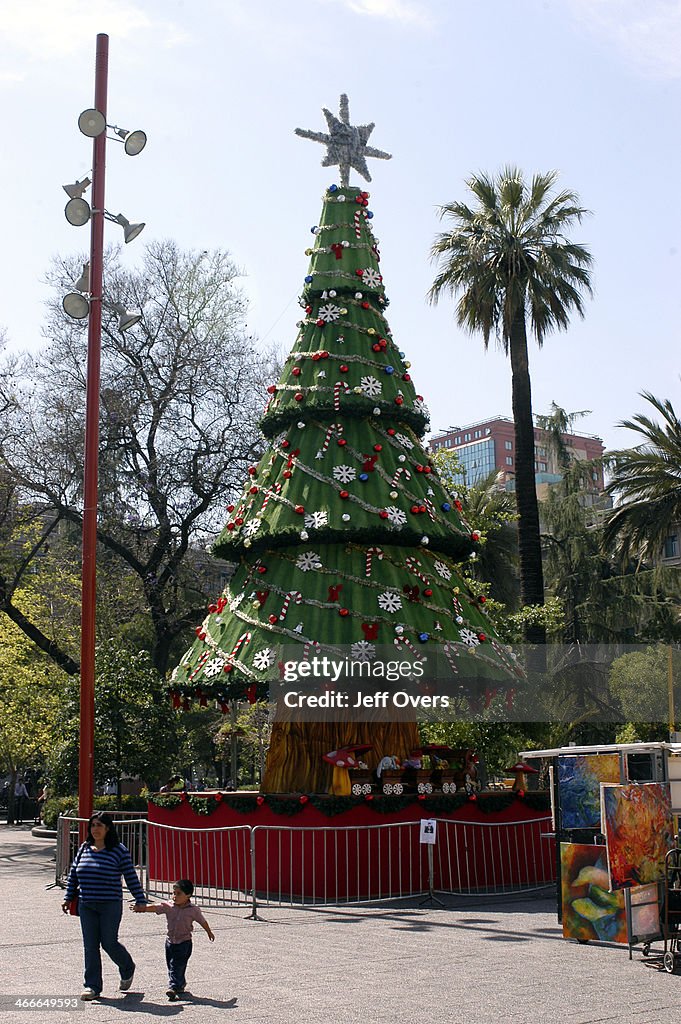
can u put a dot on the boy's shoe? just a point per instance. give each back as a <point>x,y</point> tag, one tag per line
<point>87,994</point>
<point>126,982</point>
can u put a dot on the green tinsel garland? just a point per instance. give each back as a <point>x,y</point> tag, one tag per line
<point>167,800</point>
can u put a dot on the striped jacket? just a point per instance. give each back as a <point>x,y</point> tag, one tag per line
<point>96,875</point>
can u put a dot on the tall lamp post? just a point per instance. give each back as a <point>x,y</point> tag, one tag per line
<point>93,123</point>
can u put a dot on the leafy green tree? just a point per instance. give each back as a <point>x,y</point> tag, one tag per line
<point>135,734</point>
<point>646,481</point>
<point>510,261</point>
<point>639,682</point>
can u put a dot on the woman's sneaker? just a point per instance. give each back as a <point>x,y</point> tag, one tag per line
<point>88,993</point>
<point>126,982</point>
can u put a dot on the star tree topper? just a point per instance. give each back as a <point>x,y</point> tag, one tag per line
<point>346,143</point>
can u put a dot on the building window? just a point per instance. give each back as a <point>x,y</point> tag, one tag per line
<point>448,442</point>
<point>478,433</point>
<point>457,440</point>
<point>508,445</point>
<point>466,437</point>
<point>671,546</point>
<point>509,460</point>
<point>542,467</point>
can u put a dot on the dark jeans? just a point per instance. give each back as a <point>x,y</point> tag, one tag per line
<point>177,956</point>
<point>99,923</point>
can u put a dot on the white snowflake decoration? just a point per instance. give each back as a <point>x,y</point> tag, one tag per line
<point>329,313</point>
<point>389,602</point>
<point>263,659</point>
<point>213,668</point>
<point>405,441</point>
<point>371,387</point>
<point>396,516</point>
<point>443,570</point>
<point>363,651</point>
<point>309,560</point>
<point>344,474</point>
<point>420,406</point>
<point>371,278</point>
<point>251,528</point>
<point>236,601</point>
<point>469,638</point>
<point>315,520</point>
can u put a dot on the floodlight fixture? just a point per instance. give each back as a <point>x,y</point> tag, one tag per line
<point>133,142</point>
<point>126,318</point>
<point>130,231</point>
<point>92,123</point>
<point>77,212</point>
<point>76,306</point>
<point>76,190</point>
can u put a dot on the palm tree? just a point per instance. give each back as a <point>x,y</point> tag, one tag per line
<point>647,482</point>
<point>509,261</point>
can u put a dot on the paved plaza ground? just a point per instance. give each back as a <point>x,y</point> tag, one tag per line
<point>476,962</point>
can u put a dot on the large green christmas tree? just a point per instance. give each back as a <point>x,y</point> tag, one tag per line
<point>344,536</point>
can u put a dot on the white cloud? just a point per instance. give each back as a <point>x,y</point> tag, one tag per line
<point>648,34</point>
<point>49,29</point>
<point>409,12</point>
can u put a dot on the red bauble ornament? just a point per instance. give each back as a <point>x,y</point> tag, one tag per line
<point>343,612</point>
<point>369,796</point>
<point>383,514</point>
<point>227,667</point>
<point>300,509</point>
<point>286,474</point>
<point>252,470</point>
<point>239,521</point>
<point>230,526</point>
<point>323,354</point>
<point>320,322</point>
<point>422,508</point>
<point>273,619</point>
<point>304,799</point>
<point>365,305</point>
<point>262,568</point>
<point>482,637</point>
<point>378,447</point>
<point>285,444</point>
<point>260,800</point>
<point>422,796</point>
<point>415,509</point>
<point>344,494</point>
<point>253,490</point>
<point>341,442</point>
<point>308,309</point>
<point>521,793</point>
<point>343,368</point>
<point>391,431</point>
<point>299,396</point>
<point>427,469</point>
<point>272,389</point>
<point>316,357</point>
<point>482,599</point>
<point>296,371</point>
<point>382,343</point>
<point>399,400</point>
<point>359,272</point>
<point>230,508</point>
<point>376,347</point>
<point>427,592</point>
<point>406,376</point>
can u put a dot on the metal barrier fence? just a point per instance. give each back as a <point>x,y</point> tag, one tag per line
<point>350,864</point>
<point>493,858</point>
<point>217,860</point>
<point>296,866</point>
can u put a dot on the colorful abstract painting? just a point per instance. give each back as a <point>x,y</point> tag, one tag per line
<point>589,910</point>
<point>579,780</point>
<point>637,823</point>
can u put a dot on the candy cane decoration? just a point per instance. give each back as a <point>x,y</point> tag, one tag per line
<point>401,641</point>
<point>308,645</point>
<point>413,565</point>
<point>401,471</point>
<point>339,386</point>
<point>358,223</point>
<point>370,557</point>
<point>275,489</point>
<point>430,508</point>
<point>245,638</point>
<point>293,595</point>
<point>450,654</point>
<point>333,428</point>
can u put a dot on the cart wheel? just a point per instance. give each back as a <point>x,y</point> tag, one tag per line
<point>428,787</point>
<point>387,788</point>
<point>398,789</point>
<point>669,963</point>
<point>421,788</point>
<point>646,948</point>
<point>356,789</point>
<point>366,788</point>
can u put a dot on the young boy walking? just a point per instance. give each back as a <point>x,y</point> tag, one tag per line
<point>180,914</point>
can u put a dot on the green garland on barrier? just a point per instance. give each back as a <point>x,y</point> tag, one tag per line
<point>437,803</point>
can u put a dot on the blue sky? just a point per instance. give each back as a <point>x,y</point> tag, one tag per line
<point>588,87</point>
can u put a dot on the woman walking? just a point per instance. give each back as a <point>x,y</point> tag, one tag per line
<point>95,877</point>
